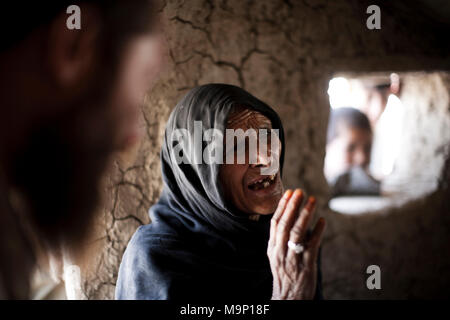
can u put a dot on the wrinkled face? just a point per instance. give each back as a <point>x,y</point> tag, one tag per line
<point>352,147</point>
<point>243,184</point>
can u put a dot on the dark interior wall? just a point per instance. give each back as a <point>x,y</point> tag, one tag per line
<point>283,52</point>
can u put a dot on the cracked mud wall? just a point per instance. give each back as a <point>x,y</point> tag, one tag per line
<point>409,239</point>
<point>283,52</point>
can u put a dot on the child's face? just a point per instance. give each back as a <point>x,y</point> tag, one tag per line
<point>350,148</point>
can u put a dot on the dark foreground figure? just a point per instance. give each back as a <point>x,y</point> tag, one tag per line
<point>69,99</point>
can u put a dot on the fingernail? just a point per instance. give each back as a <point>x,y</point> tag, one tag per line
<point>288,194</point>
<point>311,203</point>
<point>298,193</point>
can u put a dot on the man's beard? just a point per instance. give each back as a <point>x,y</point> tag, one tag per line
<point>59,173</point>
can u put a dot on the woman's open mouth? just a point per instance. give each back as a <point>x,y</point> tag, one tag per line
<point>262,183</point>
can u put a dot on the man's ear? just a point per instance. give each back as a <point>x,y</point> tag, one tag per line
<point>72,53</point>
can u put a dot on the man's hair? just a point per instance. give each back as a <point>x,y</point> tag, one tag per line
<point>346,117</point>
<point>19,19</point>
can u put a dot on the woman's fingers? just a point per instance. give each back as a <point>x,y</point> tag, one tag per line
<point>312,250</point>
<point>298,231</point>
<point>284,225</point>
<point>300,227</point>
<point>276,216</point>
<point>282,205</point>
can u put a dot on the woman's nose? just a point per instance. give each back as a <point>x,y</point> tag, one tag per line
<point>263,159</point>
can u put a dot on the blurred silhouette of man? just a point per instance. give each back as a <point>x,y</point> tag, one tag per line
<point>69,99</point>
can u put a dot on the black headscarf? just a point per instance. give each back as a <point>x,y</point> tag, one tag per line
<point>193,191</point>
<point>198,245</point>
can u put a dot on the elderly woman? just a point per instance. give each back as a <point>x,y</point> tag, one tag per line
<point>223,230</point>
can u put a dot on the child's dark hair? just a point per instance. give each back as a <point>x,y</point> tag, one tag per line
<point>349,118</point>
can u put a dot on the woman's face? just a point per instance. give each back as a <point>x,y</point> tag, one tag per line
<point>244,185</point>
